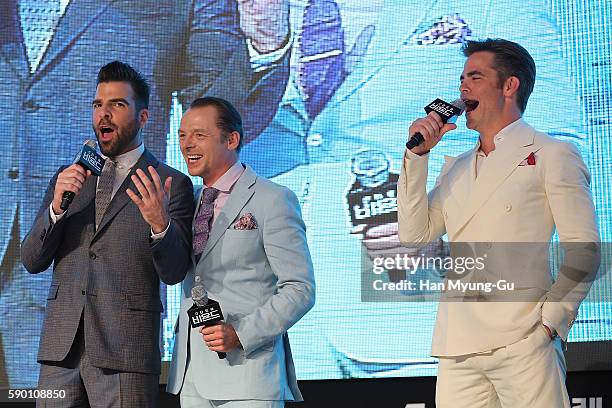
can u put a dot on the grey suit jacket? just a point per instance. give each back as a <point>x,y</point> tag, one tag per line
<point>111,275</point>
<point>264,281</point>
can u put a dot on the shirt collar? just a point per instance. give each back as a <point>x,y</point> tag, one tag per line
<point>225,183</point>
<point>128,160</point>
<point>501,136</point>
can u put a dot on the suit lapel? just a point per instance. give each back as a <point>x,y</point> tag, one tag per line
<point>241,193</point>
<point>461,178</point>
<point>85,197</point>
<point>121,199</point>
<point>515,149</point>
<point>12,47</point>
<point>79,16</point>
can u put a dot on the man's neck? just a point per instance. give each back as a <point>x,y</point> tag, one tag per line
<point>487,137</point>
<point>211,179</point>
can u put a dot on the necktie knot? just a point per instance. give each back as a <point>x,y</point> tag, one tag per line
<point>209,195</point>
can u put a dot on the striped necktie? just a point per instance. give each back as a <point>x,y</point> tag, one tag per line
<point>104,194</point>
<point>321,54</point>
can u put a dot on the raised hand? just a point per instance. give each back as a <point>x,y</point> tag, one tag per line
<point>153,199</point>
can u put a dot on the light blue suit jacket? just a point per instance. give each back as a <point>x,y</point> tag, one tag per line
<point>263,279</point>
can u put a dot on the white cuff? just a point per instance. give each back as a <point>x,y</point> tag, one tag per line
<point>55,217</point>
<point>261,62</point>
<point>410,155</point>
<point>157,237</point>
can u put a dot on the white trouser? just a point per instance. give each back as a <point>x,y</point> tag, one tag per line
<point>527,374</point>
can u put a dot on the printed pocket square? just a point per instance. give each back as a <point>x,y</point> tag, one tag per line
<point>246,222</point>
<point>448,29</point>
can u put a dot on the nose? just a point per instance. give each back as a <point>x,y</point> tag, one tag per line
<point>463,87</point>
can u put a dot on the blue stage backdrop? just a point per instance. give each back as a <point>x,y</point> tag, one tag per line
<point>360,73</point>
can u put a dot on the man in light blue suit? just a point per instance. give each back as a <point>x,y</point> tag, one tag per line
<point>250,253</point>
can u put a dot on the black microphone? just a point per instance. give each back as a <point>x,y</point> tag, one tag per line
<point>89,160</point>
<point>447,111</point>
<point>205,311</point>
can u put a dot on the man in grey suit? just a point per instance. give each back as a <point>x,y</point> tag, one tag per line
<point>50,51</point>
<point>110,250</point>
<point>251,255</point>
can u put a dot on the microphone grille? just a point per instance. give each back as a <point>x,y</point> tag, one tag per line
<point>91,143</point>
<point>458,103</point>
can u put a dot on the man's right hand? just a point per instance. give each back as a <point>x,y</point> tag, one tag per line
<point>70,179</point>
<point>432,128</point>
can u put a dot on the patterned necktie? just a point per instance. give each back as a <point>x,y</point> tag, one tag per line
<point>201,227</point>
<point>104,193</point>
<point>321,54</point>
<point>39,19</point>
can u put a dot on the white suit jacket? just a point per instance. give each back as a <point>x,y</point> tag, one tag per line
<point>509,202</point>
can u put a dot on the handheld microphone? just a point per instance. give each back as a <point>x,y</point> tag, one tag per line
<point>205,311</point>
<point>89,160</point>
<point>447,111</point>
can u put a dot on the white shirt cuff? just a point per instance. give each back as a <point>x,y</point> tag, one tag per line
<point>157,237</point>
<point>410,155</point>
<point>261,62</point>
<point>55,217</point>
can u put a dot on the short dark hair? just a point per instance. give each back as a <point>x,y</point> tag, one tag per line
<point>118,71</point>
<point>511,59</point>
<point>228,120</point>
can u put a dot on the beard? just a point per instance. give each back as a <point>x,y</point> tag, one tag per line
<point>122,142</point>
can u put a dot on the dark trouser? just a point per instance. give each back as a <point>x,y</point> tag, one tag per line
<point>88,386</point>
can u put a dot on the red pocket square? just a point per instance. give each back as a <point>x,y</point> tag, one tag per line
<point>529,161</point>
<point>246,222</point>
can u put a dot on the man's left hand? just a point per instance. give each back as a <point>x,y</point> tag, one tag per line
<point>153,199</point>
<point>265,22</point>
<point>220,338</point>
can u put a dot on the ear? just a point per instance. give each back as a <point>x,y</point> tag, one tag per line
<point>233,140</point>
<point>511,86</point>
<point>143,116</point>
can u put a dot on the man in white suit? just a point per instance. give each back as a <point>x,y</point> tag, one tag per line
<point>517,185</point>
<point>251,255</point>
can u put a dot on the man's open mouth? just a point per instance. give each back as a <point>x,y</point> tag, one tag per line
<point>193,158</point>
<point>470,105</point>
<point>106,132</point>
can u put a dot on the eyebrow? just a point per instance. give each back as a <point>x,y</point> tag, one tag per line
<point>111,100</point>
<point>201,130</point>
<point>470,74</point>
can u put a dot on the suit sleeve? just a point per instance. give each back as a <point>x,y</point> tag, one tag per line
<point>218,64</point>
<point>419,214</point>
<point>39,245</point>
<point>284,235</point>
<point>172,253</point>
<point>567,180</point>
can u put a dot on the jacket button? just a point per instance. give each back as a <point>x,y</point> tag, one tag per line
<point>83,292</point>
<point>92,255</point>
<point>30,106</point>
<point>314,140</point>
<point>508,207</point>
<point>13,173</point>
